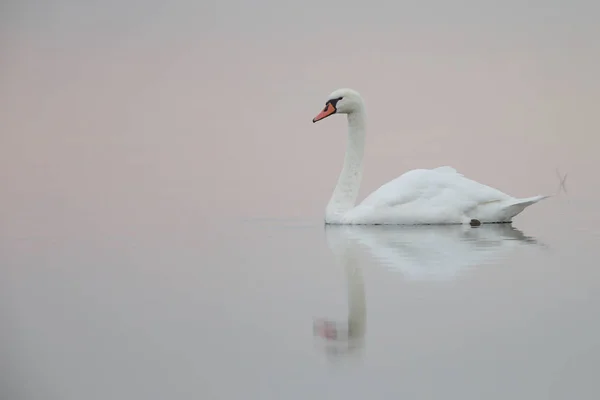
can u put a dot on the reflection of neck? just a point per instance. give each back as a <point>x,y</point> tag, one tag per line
<point>357,308</point>
<point>345,193</point>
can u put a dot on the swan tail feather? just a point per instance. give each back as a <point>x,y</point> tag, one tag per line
<point>517,206</point>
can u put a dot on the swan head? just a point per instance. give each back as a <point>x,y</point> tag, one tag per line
<point>341,101</point>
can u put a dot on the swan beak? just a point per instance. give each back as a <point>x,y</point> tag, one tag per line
<point>329,110</point>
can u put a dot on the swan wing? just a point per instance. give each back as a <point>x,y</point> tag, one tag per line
<point>439,187</point>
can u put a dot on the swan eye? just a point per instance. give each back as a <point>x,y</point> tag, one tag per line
<point>334,101</point>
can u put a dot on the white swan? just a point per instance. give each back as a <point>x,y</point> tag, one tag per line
<point>421,196</point>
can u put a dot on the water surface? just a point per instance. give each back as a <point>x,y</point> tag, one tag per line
<point>261,308</point>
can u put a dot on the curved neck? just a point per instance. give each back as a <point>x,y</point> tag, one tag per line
<point>345,193</point>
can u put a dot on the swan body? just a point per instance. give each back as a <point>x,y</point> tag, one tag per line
<point>421,196</point>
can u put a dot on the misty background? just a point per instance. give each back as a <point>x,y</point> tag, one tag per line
<point>135,136</point>
<point>190,105</point>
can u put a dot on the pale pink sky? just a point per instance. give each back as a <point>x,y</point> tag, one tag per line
<point>113,114</point>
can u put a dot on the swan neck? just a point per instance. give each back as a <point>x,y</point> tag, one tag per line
<point>345,193</point>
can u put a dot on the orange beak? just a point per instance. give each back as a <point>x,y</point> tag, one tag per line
<point>329,110</point>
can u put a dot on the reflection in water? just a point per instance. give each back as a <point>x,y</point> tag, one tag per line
<point>418,252</point>
<point>346,337</point>
<point>431,252</point>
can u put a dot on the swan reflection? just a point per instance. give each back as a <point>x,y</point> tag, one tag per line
<point>348,336</point>
<point>429,252</point>
<point>432,253</point>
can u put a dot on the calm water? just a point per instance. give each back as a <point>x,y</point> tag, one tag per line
<point>259,308</point>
